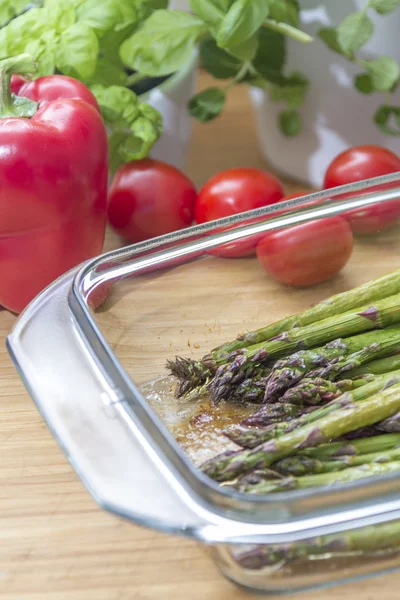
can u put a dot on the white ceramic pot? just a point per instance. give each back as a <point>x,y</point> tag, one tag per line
<point>335,115</point>
<point>170,99</point>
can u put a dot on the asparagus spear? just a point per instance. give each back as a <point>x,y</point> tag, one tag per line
<point>314,391</point>
<point>333,425</point>
<point>262,418</point>
<point>377,289</point>
<point>323,479</point>
<point>251,438</point>
<point>390,425</point>
<point>386,441</point>
<point>375,538</point>
<point>386,312</point>
<point>377,367</point>
<point>350,353</point>
<point>304,465</point>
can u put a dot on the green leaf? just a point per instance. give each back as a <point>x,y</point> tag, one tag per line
<point>384,72</point>
<point>329,35</point>
<point>271,53</point>
<point>207,105</point>
<point>354,32</point>
<point>42,50</point>
<point>216,61</point>
<point>163,44</point>
<point>387,118</point>
<point>245,51</point>
<point>290,123</point>
<point>363,83</point>
<point>106,15</point>
<point>383,7</point>
<point>119,105</point>
<point>59,15</point>
<point>146,7</point>
<point>293,91</point>
<point>210,12</point>
<point>76,54</point>
<point>241,22</point>
<point>10,9</point>
<point>285,11</point>
<point>133,126</point>
<point>15,36</point>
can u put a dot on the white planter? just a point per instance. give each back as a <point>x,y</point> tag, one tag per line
<point>170,99</point>
<point>335,115</point>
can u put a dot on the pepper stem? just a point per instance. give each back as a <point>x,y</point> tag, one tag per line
<point>10,105</point>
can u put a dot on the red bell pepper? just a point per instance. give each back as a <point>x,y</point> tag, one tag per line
<point>53,180</point>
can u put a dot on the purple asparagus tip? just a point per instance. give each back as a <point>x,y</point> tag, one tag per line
<point>370,313</point>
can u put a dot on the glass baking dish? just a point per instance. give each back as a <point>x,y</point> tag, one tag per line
<point>92,351</point>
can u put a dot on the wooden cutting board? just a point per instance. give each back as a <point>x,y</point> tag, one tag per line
<point>55,543</point>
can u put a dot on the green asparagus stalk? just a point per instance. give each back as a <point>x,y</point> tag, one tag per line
<point>304,465</point>
<point>248,437</point>
<point>314,391</point>
<point>333,425</point>
<point>288,371</point>
<point>324,479</point>
<point>377,367</point>
<point>331,360</point>
<point>367,540</point>
<point>390,425</point>
<point>386,312</point>
<point>380,288</point>
<point>386,441</point>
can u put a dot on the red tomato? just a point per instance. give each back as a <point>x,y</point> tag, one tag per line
<point>364,162</point>
<point>235,191</point>
<point>149,198</point>
<point>307,254</point>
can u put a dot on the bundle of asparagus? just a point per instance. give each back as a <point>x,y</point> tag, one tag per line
<point>327,385</point>
<point>329,373</point>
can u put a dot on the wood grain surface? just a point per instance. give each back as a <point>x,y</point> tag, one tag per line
<point>55,543</point>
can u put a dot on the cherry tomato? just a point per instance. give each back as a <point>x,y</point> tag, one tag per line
<point>149,198</point>
<point>235,191</point>
<point>307,254</point>
<point>356,164</point>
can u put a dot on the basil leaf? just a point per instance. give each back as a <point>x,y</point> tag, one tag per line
<point>364,84</point>
<point>144,8</point>
<point>15,36</point>
<point>271,53</point>
<point>133,126</point>
<point>385,117</point>
<point>77,51</point>
<point>106,15</point>
<point>217,61</point>
<point>290,123</point>
<point>284,11</point>
<point>329,35</point>
<point>293,91</point>
<point>207,105</point>
<point>143,135</point>
<point>10,9</point>
<point>209,11</point>
<point>383,7</point>
<point>119,106</point>
<point>59,15</point>
<point>245,51</point>
<point>354,32</point>
<point>241,22</point>
<point>163,44</point>
<point>42,50</point>
<point>384,72</point>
